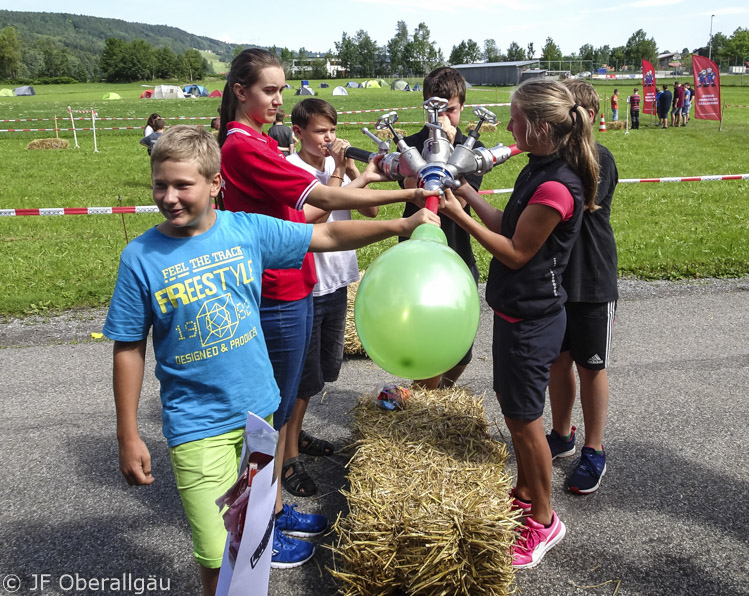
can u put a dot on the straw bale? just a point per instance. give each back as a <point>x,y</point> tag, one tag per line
<point>351,343</point>
<point>429,511</point>
<point>485,127</point>
<point>616,125</point>
<point>48,144</point>
<point>385,133</point>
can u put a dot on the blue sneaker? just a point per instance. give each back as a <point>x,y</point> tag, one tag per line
<point>289,552</point>
<point>300,524</point>
<point>588,471</point>
<point>559,447</point>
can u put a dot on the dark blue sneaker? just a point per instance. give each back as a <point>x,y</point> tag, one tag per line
<point>588,471</point>
<point>289,552</point>
<point>300,524</point>
<point>559,447</point>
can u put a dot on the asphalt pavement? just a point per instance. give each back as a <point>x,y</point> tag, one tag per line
<point>671,517</point>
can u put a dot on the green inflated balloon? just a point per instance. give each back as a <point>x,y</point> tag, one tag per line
<point>417,307</point>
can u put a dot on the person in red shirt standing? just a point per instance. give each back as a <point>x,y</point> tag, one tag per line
<point>634,109</point>
<point>258,179</point>
<point>615,106</point>
<point>677,104</point>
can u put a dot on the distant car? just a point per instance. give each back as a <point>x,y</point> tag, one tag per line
<point>584,74</point>
<point>677,73</point>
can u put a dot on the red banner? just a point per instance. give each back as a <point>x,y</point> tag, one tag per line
<point>648,88</point>
<point>706,98</point>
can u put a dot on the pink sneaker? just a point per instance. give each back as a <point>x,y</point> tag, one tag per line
<point>534,540</point>
<point>518,505</point>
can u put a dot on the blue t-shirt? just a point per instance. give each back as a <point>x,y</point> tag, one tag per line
<point>201,295</point>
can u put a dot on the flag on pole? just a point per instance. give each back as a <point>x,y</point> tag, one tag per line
<point>648,88</point>
<point>706,89</point>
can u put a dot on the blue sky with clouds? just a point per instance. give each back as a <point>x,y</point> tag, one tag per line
<point>316,26</point>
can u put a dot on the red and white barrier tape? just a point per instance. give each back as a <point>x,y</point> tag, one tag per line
<point>78,128</point>
<point>108,118</point>
<point>734,105</point>
<point>154,209</point>
<point>399,122</point>
<point>468,105</point>
<point>687,179</point>
<point>498,191</point>
<point>79,210</point>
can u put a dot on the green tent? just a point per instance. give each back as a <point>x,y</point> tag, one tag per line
<point>6,93</point>
<point>400,85</point>
<point>383,83</point>
<point>111,95</point>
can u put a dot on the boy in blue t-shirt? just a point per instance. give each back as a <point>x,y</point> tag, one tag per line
<point>195,279</point>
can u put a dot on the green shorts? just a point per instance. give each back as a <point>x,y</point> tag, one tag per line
<point>204,471</point>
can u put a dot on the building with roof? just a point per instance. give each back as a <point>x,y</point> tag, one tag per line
<point>499,73</point>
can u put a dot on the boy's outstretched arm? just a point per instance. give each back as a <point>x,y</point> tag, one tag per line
<point>129,364</point>
<point>350,197</point>
<point>348,235</point>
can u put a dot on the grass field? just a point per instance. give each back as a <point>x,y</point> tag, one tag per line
<point>664,231</point>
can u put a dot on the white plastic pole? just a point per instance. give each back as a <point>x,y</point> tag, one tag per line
<point>93,126</point>
<point>72,125</point>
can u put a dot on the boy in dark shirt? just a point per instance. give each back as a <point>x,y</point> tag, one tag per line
<point>282,134</point>
<point>158,130</point>
<point>449,84</point>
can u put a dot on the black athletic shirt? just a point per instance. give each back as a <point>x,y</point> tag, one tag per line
<point>535,290</point>
<point>591,274</point>
<point>282,135</point>
<point>457,238</point>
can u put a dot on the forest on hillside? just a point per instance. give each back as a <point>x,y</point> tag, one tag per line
<point>56,47</point>
<point>37,45</point>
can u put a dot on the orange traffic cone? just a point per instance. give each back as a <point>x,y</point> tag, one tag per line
<point>602,127</point>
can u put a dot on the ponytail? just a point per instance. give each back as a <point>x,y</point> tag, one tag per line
<point>226,112</point>
<point>245,70</point>
<point>555,118</point>
<point>580,152</point>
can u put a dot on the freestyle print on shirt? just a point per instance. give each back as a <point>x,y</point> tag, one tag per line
<point>206,278</point>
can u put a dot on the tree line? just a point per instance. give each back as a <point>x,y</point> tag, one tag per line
<point>416,54</point>
<point>72,55</point>
<point>120,61</point>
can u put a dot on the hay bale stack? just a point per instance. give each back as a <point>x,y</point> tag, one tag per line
<point>386,135</point>
<point>351,342</point>
<point>48,144</point>
<point>616,124</point>
<point>429,512</point>
<point>485,127</point>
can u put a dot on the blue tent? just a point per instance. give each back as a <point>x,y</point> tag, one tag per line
<point>352,84</point>
<point>196,91</point>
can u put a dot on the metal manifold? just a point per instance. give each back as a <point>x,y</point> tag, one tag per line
<point>439,165</point>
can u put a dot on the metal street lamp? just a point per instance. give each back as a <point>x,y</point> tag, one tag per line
<point>710,52</point>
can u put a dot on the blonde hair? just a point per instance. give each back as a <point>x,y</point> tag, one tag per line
<point>554,119</point>
<point>585,94</point>
<point>189,144</point>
